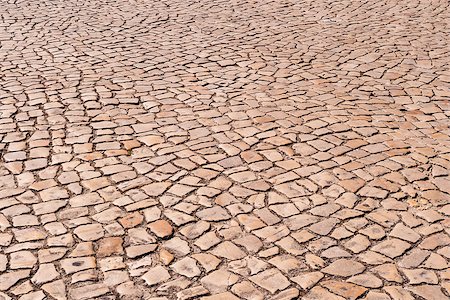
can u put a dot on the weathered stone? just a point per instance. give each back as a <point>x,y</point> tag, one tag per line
<point>344,268</point>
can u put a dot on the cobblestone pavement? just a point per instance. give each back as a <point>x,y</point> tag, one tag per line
<point>239,149</point>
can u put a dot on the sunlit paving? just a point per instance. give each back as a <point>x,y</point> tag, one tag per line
<point>224,149</point>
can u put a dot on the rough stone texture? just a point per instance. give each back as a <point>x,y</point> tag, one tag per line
<point>224,149</point>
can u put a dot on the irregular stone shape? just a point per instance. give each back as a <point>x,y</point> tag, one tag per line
<point>83,249</point>
<point>151,140</point>
<point>156,275</point>
<point>271,280</point>
<point>177,246</point>
<point>405,233</point>
<point>436,262</point>
<point>90,232</point>
<point>287,264</point>
<point>428,292</point>
<point>9,279</point>
<point>344,289</point>
<point>417,276</point>
<point>219,281</point>
<point>300,221</point>
<point>39,295</point>
<point>48,207</point>
<point>108,215</point>
<point>3,262</point>
<point>29,234</point>
<point>109,246</point>
<point>191,293</point>
<point>388,272</point>
<point>136,251</point>
<point>318,292</point>
<point>45,273</point>
<point>22,260</point>
<point>207,241</point>
<point>282,135</point>
<point>86,200</point>
<point>366,280</point>
<point>156,189</point>
<point>357,244</point>
<point>434,241</point>
<point>113,278</point>
<point>392,248</point>
<point>221,296</point>
<point>161,228</point>
<point>288,294</point>
<point>193,231</point>
<point>88,291</point>
<point>246,290</point>
<point>344,268</point>
<point>131,220</point>
<point>414,258</point>
<point>72,265</point>
<point>208,261</point>
<point>51,254</point>
<point>372,192</point>
<point>371,295</point>
<point>178,218</point>
<point>56,289</point>
<point>324,227</point>
<point>229,251</point>
<point>128,289</point>
<point>272,233</point>
<point>398,293</point>
<point>308,280</point>
<point>215,213</point>
<point>186,267</point>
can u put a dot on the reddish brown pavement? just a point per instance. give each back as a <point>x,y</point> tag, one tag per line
<point>241,149</point>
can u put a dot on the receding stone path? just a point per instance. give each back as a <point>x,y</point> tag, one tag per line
<point>213,150</point>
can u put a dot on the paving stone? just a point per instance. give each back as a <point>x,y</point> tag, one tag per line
<point>376,296</point>
<point>186,267</point>
<point>228,250</point>
<point>270,150</point>
<point>22,260</point>
<point>392,248</point>
<point>417,276</point>
<point>221,296</point>
<point>405,233</point>
<point>388,272</point>
<point>357,244</point>
<point>398,292</point>
<point>366,280</point>
<point>156,275</point>
<point>45,273</point>
<point>414,258</point>
<point>321,293</point>
<point>161,228</point>
<point>219,281</point>
<point>192,293</point>
<point>271,280</point>
<point>344,267</point>
<point>308,280</point>
<point>72,265</point>
<point>344,289</point>
<point>89,291</point>
<point>90,232</point>
<point>428,292</point>
<point>208,262</point>
<point>136,251</point>
<point>8,279</point>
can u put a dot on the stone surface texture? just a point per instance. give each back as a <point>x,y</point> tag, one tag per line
<point>240,149</point>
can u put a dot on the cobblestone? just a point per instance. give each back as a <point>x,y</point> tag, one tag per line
<point>224,149</point>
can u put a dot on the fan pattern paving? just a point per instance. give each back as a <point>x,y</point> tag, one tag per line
<point>224,149</point>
